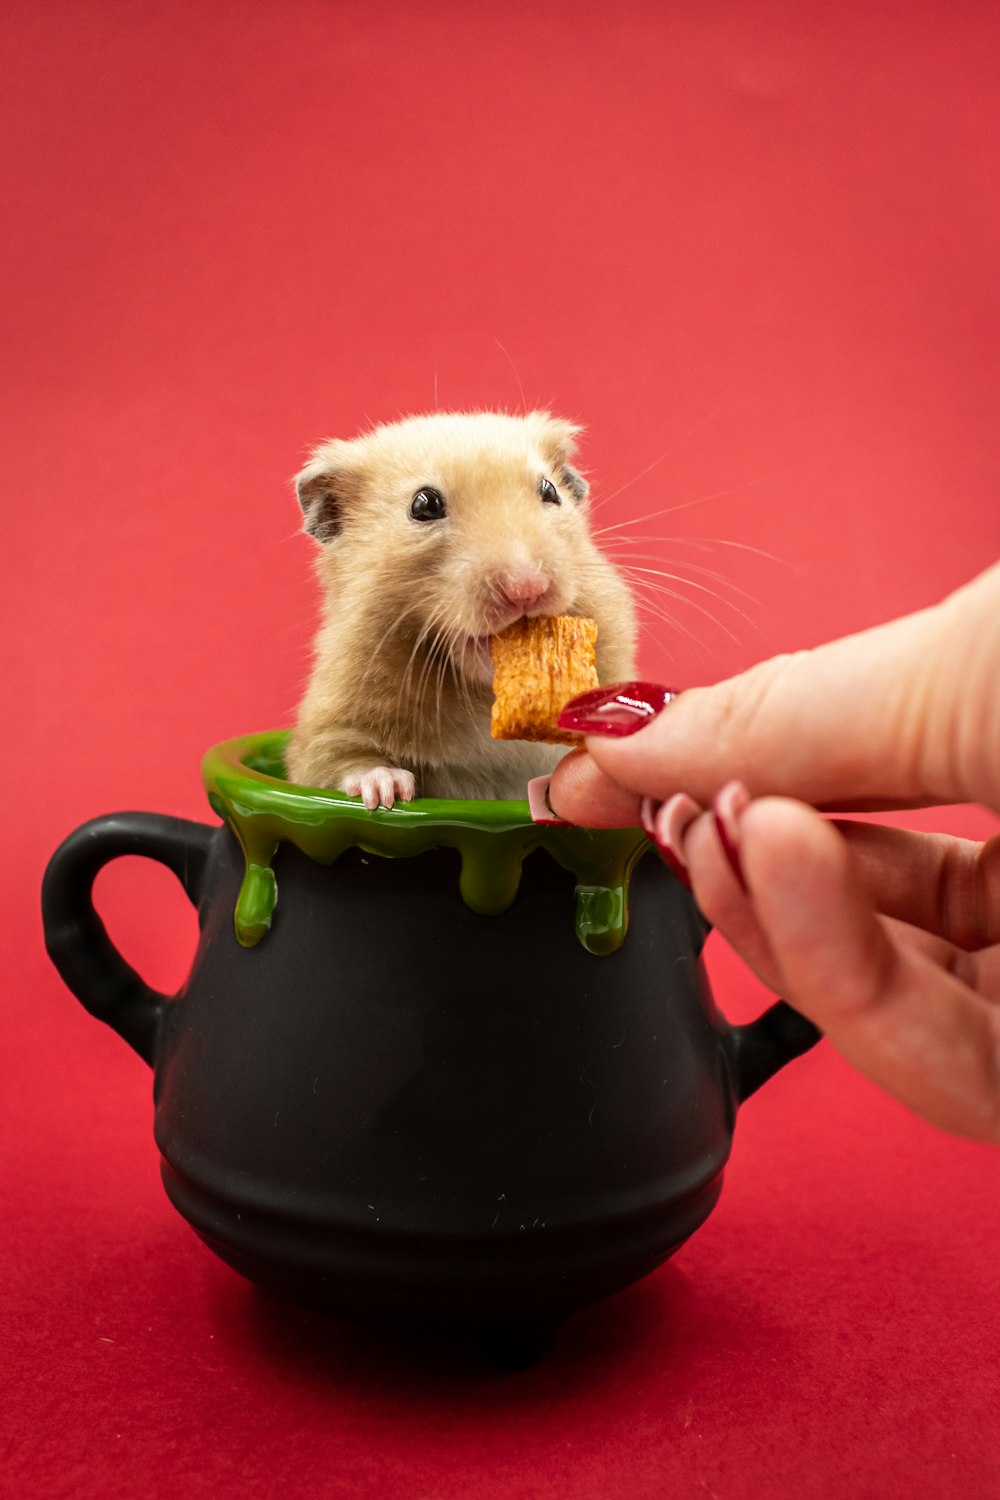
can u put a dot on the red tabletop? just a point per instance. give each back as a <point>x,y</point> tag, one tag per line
<point>754,248</point>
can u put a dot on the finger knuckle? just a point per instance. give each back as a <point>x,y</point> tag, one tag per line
<point>965,897</point>
<point>745,703</point>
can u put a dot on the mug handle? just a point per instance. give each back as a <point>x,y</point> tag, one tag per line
<point>757,1051</point>
<point>75,937</point>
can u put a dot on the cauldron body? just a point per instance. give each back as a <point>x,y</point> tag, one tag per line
<point>397,1107</point>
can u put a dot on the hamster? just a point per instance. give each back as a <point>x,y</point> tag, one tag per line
<point>435,533</point>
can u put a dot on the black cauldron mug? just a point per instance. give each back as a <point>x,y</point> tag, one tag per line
<point>431,1064</point>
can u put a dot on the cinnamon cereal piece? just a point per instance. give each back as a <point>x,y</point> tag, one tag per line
<point>538,665</point>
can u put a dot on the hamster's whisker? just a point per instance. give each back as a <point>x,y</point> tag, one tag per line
<point>426,640</point>
<point>443,663</point>
<point>655,591</point>
<point>291,537</point>
<point>494,591</point>
<point>660,588</point>
<point>704,544</point>
<point>606,499</point>
<point>422,635</point>
<point>669,510</point>
<point>503,351</point>
<point>647,612</point>
<point>446,666</point>
<point>432,660</point>
<point>692,584</point>
<point>405,680</point>
<point>691,568</point>
<point>656,609</point>
<point>455,635</point>
<point>394,625</point>
<point>461,682</point>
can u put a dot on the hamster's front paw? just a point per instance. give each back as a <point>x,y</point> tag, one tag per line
<point>382,785</point>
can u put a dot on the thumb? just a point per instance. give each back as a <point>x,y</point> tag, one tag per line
<point>870,720</point>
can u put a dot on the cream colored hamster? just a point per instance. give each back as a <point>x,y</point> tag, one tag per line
<point>436,532</point>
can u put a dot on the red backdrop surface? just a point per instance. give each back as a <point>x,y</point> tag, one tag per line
<point>754,247</point>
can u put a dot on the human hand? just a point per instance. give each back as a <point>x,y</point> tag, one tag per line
<point>888,940</point>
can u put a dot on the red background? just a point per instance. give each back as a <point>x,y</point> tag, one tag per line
<point>754,244</point>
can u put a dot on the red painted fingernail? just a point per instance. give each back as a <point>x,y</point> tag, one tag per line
<point>648,808</point>
<point>666,824</point>
<point>539,805</point>
<point>727,809</point>
<point>617,710</point>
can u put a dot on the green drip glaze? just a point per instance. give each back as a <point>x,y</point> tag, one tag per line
<point>245,780</point>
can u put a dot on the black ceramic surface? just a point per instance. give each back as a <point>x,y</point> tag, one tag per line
<point>397,1108</point>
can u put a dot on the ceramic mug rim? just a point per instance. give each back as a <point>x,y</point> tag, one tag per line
<point>247,769</point>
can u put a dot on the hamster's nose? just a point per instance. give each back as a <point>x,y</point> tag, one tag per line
<point>524,588</point>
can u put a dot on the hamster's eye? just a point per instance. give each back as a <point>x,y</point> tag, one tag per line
<point>428,505</point>
<point>548,492</point>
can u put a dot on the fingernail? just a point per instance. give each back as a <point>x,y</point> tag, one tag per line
<point>539,805</point>
<point>666,824</point>
<point>727,809</point>
<point>648,808</point>
<point>617,710</point>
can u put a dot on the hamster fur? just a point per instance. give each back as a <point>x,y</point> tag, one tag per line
<point>399,699</point>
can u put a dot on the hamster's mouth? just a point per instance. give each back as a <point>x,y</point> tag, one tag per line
<point>472,654</point>
<point>474,658</point>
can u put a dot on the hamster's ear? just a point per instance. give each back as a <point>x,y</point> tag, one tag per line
<point>575,483</point>
<point>557,440</point>
<point>324,487</point>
